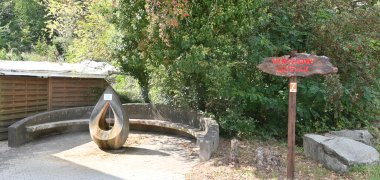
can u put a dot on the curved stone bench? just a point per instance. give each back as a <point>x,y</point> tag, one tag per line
<point>22,132</point>
<point>57,125</point>
<point>204,130</point>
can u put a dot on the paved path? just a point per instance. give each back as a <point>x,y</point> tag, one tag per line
<point>75,156</point>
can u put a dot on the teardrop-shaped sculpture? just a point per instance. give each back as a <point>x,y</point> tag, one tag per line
<point>102,134</point>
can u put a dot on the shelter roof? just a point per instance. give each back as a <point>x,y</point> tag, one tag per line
<point>84,69</point>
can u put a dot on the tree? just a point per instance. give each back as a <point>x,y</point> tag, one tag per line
<point>206,59</point>
<point>96,34</point>
<point>64,18</point>
<point>21,24</point>
<point>132,56</point>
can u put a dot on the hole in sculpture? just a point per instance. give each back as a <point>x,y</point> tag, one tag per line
<point>107,119</point>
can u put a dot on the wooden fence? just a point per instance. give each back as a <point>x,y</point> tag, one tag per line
<point>23,96</point>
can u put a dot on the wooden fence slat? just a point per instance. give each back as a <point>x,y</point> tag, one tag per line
<point>24,92</point>
<point>10,99</point>
<point>73,95</point>
<point>20,99</point>
<point>15,116</point>
<point>21,110</point>
<point>21,104</point>
<point>20,83</point>
<point>23,96</point>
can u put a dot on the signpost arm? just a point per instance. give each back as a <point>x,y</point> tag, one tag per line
<point>291,126</point>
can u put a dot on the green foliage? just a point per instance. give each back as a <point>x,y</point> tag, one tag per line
<point>127,87</point>
<point>82,29</point>
<point>207,61</point>
<point>21,24</point>
<point>373,171</point>
<point>234,123</point>
<point>46,51</point>
<point>96,35</point>
<point>3,54</point>
<point>132,53</point>
<point>64,17</point>
<point>353,46</point>
<point>203,55</point>
<point>351,98</point>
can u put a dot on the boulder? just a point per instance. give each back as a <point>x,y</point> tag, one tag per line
<point>358,135</point>
<point>338,153</point>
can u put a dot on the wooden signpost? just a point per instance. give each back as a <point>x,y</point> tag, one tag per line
<point>293,66</point>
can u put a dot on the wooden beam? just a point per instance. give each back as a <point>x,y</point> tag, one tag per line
<point>291,126</point>
<point>50,93</point>
<point>23,109</point>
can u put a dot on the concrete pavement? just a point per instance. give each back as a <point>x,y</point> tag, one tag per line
<point>75,156</point>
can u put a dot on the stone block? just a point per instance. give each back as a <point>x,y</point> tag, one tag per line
<point>358,135</point>
<point>339,153</point>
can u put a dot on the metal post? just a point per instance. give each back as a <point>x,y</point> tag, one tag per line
<point>291,126</point>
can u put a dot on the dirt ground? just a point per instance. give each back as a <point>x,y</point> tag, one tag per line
<point>221,167</point>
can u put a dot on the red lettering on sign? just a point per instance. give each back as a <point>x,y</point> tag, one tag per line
<point>306,69</point>
<point>309,61</point>
<point>291,61</point>
<point>292,69</point>
<point>276,61</point>
<point>281,69</point>
<point>284,61</point>
<point>292,65</point>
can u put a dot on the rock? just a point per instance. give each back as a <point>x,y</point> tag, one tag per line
<point>260,156</point>
<point>220,163</point>
<point>338,153</point>
<point>268,159</point>
<point>234,150</point>
<point>358,135</point>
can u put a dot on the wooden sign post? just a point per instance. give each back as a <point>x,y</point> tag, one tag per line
<point>293,66</point>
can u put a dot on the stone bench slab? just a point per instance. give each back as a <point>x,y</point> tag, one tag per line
<point>58,124</point>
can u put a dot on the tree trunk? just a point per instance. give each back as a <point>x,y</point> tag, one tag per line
<point>145,93</point>
<point>143,78</point>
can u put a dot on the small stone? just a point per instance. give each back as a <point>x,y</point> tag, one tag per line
<point>234,150</point>
<point>231,165</point>
<point>220,163</point>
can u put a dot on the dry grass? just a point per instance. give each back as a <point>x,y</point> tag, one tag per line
<point>220,167</point>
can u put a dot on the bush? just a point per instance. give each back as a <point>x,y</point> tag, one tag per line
<point>126,87</point>
<point>207,60</point>
<point>3,54</point>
